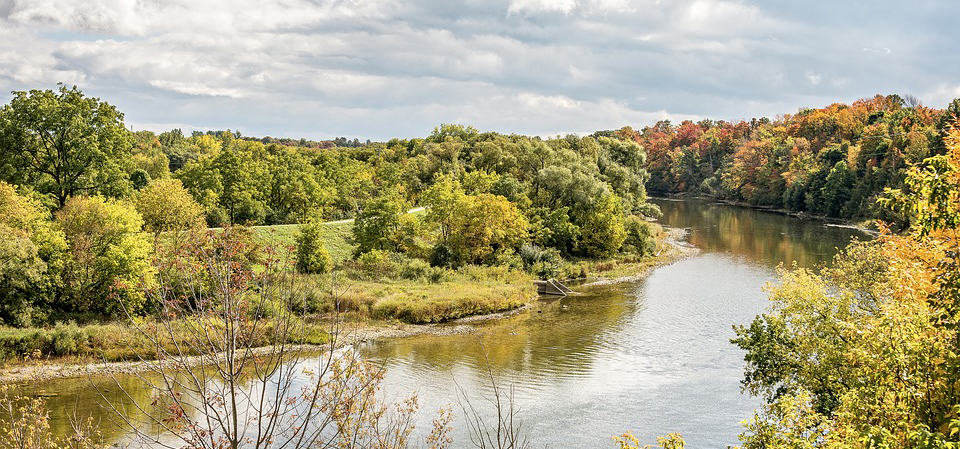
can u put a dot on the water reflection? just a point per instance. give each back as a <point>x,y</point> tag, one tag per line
<point>764,237</point>
<point>651,357</point>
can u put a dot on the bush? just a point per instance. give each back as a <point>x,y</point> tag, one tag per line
<point>545,263</point>
<point>641,236</point>
<point>63,340</point>
<point>312,256</point>
<point>414,269</point>
<point>378,264</point>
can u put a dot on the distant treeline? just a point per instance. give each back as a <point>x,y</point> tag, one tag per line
<point>834,161</point>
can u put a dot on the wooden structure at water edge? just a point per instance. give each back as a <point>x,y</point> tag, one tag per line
<point>552,287</point>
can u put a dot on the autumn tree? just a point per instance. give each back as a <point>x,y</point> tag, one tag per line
<point>865,353</point>
<point>63,144</point>
<point>31,259</point>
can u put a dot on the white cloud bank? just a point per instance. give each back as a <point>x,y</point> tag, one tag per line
<point>380,68</point>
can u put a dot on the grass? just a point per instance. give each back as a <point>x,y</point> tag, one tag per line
<point>433,296</point>
<point>337,238</point>
<point>112,342</point>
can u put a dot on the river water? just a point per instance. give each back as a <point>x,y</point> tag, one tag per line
<point>650,357</point>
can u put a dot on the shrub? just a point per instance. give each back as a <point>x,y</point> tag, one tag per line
<point>641,236</point>
<point>378,264</point>
<point>312,256</point>
<point>414,269</point>
<point>545,263</point>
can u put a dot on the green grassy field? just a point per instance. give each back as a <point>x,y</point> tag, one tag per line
<point>337,238</point>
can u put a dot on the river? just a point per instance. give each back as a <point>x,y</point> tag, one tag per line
<point>650,357</point>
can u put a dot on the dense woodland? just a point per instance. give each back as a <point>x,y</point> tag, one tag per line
<point>834,161</point>
<point>80,187</point>
<point>861,354</point>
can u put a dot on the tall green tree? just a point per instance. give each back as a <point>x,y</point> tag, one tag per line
<point>108,257</point>
<point>31,259</point>
<point>63,144</point>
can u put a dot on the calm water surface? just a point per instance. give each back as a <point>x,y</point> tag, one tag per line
<point>650,357</point>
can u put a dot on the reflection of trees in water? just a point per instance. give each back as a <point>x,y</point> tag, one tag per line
<point>765,237</point>
<point>557,337</point>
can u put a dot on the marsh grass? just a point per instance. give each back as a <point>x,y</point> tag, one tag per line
<point>436,295</point>
<point>111,342</point>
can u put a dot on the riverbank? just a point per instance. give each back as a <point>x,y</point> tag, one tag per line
<point>358,329</point>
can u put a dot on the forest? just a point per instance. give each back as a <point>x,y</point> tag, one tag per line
<point>95,219</point>
<point>833,161</point>
<point>91,203</point>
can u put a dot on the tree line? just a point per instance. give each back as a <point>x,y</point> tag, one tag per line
<point>90,197</point>
<point>833,161</point>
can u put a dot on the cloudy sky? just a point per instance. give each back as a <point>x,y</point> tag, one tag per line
<point>391,68</point>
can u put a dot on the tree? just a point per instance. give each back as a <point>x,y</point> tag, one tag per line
<point>379,224</point>
<point>602,232</point>
<point>312,255</point>
<point>63,144</point>
<point>167,207</point>
<point>486,224</point>
<point>867,353</point>
<point>31,258</point>
<point>108,258</point>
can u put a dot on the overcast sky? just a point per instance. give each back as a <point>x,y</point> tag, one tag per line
<point>390,68</point>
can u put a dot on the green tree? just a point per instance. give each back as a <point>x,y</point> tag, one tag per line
<point>31,258</point>
<point>602,232</point>
<point>108,258</point>
<point>312,255</point>
<point>167,207</point>
<point>63,144</point>
<point>380,223</point>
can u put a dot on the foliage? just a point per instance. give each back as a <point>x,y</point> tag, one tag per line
<point>27,426</point>
<point>641,236</point>
<point>63,144</point>
<point>31,257</point>
<point>382,224</point>
<point>833,161</point>
<point>602,232</point>
<point>312,255</point>
<point>866,353</point>
<point>107,256</point>
<point>669,441</point>
<point>167,207</point>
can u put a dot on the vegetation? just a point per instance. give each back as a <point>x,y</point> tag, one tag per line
<point>82,240</point>
<point>833,161</point>
<point>866,353</point>
<point>861,354</point>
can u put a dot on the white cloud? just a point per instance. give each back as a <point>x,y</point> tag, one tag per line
<point>380,68</point>
<point>544,103</point>
<point>192,88</point>
<point>535,6</point>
